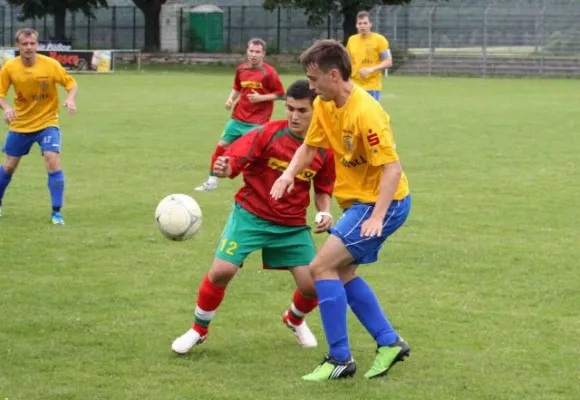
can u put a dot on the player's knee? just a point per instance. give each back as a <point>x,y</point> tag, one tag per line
<point>222,272</point>
<point>52,160</point>
<point>10,165</point>
<point>223,144</point>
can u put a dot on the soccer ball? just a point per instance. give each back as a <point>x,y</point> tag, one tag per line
<point>178,217</point>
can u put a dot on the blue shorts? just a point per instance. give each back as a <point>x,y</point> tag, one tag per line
<point>348,228</point>
<point>19,144</point>
<point>376,94</point>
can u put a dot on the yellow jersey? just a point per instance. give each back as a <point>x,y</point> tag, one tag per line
<point>36,99</point>
<point>365,53</point>
<point>359,134</point>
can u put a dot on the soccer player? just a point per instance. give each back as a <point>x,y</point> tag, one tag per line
<point>370,55</point>
<point>278,229</point>
<point>372,190</point>
<point>256,87</point>
<point>34,118</point>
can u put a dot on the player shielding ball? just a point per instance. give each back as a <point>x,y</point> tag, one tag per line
<point>256,87</point>
<point>372,190</point>
<point>370,55</point>
<point>277,228</point>
<point>34,118</point>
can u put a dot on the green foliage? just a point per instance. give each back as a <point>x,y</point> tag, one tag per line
<point>40,8</point>
<point>564,42</point>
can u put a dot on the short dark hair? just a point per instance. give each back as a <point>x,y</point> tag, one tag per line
<point>327,54</point>
<point>363,14</point>
<point>300,90</point>
<point>257,42</point>
<point>26,32</point>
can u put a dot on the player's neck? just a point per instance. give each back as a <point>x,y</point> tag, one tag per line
<point>344,92</point>
<point>28,62</point>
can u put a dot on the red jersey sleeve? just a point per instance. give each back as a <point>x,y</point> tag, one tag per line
<point>237,83</point>
<point>275,85</point>
<point>324,179</point>
<point>245,150</point>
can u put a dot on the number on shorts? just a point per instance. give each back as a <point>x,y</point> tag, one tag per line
<point>46,139</point>
<point>230,248</point>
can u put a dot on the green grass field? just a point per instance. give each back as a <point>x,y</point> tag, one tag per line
<point>482,281</point>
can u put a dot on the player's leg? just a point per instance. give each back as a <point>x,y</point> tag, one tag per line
<point>292,248</point>
<point>15,147</point>
<point>50,145</point>
<point>240,238</point>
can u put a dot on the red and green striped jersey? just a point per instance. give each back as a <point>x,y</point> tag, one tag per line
<point>262,155</point>
<point>264,80</point>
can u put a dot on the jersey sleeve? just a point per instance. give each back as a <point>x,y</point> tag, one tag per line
<point>375,128</point>
<point>275,85</point>
<point>237,82</point>
<point>316,135</point>
<point>324,179</point>
<point>4,81</point>
<point>245,150</point>
<point>383,48</point>
<point>64,78</point>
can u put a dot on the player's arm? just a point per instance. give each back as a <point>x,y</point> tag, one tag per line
<point>384,55</point>
<point>9,113</point>
<point>380,151</point>
<point>236,90</point>
<point>315,138</point>
<point>273,86</point>
<point>323,185</point>
<point>239,154</point>
<point>71,86</point>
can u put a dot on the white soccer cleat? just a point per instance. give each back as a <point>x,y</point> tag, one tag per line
<point>209,185</point>
<point>302,332</point>
<point>185,342</point>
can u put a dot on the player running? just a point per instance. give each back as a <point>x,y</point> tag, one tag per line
<point>256,222</point>
<point>372,190</point>
<point>256,85</point>
<point>370,56</point>
<point>34,118</point>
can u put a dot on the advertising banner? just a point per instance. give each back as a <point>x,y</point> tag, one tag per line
<point>72,60</point>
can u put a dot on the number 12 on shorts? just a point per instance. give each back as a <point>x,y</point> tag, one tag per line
<point>231,246</point>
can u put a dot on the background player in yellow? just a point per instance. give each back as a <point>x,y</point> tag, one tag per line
<point>370,55</point>
<point>371,188</point>
<point>34,118</point>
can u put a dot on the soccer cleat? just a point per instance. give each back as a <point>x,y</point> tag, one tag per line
<point>56,218</point>
<point>332,369</point>
<point>387,357</point>
<point>185,342</point>
<point>209,185</point>
<point>302,332</point>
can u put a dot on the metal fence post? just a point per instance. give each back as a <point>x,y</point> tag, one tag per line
<point>88,32</point>
<point>395,20</point>
<point>278,36</point>
<point>180,25</point>
<point>134,27</point>
<point>229,29</point>
<point>484,42</point>
<point>114,27</point>
<point>431,49</point>
<point>540,38</point>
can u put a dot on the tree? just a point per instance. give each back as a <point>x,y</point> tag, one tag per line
<point>57,8</point>
<point>151,11</point>
<point>318,10</point>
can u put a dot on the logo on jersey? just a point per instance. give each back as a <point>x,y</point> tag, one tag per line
<point>373,138</point>
<point>281,166</point>
<point>352,163</point>
<point>348,142</point>
<point>252,84</point>
<point>43,85</point>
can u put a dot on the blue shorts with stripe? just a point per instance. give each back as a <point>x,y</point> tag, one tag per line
<point>19,144</point>
<point>365,250</point>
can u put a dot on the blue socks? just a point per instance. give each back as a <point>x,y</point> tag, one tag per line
<point>333,307</point>
<point>4,181</point>
<point>365,305</point>
<point>56,188</point>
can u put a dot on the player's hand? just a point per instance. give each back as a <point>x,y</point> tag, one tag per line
<point>282,185</point>
<point>323,222</point>
<point>254,97</point>
<point>372,227</point>
<point>9,115</point>
<point>364,72</point>
<point>229,104</point>
<point>71,106</point>
<point>222,167</point>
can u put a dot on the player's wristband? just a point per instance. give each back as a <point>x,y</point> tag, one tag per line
<point>320,214</point>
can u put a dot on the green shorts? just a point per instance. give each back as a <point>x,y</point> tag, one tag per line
<point>236,129</point>
<point>282,246</point>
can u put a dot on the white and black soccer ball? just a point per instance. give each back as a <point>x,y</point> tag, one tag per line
<point>178,217</point>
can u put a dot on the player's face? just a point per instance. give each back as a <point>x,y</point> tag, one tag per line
<point>27,46</point>
<point>325,84</point>
<point>363,26</point>
<point>299,113</point>
<point>255,54</point>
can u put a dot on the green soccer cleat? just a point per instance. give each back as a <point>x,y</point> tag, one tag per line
<point>387,356</point>
<point>56,218</point>
<point>332,369</point>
